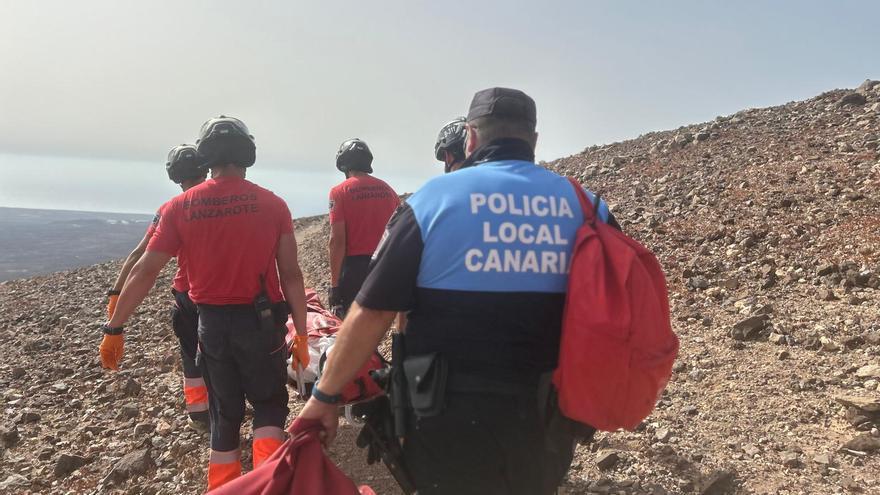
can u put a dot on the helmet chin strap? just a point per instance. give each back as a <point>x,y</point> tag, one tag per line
<point>449,161</point>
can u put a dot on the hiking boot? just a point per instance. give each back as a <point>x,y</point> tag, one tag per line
<point>199,422</point>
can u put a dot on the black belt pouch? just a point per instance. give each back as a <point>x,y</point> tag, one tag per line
<point>426,383</point>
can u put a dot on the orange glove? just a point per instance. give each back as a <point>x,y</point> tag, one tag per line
<point>111,305</point>
<point>299,351</point>
<point>111,351</point>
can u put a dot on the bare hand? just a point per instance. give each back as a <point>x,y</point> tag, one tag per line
<point>327,414</point>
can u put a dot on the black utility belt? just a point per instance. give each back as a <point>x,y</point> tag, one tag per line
<point>227,307</point>
<point>429,379</point>
<point>280,309</point>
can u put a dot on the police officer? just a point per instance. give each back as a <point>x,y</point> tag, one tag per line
<point>449,147</point>
<point>183,169</point>
<point>479,258</point>
<point>242,264</point>
<point>360,206</point>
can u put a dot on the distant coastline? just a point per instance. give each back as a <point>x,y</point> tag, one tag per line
<point>37,242</point>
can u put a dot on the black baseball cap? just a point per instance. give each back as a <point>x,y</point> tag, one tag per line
<point>503,103</point>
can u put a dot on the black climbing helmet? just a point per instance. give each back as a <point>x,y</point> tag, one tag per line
<point>183,164</point>
<point>224,140</point>
<point>354,154</point>
<point>451,138</point>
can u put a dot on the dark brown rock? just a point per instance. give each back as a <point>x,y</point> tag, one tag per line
<point>606,460</point>
<point>852,99</point>
<point>68,463</point>
<point>721,482</point>
<point>131,388</point>
<point>749,328</point>
<point>863,443</point>
<point>133,464</point>
<point>791,459</point>
<point>9,436</point>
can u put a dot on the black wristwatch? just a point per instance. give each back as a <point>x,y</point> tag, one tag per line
<point>108,330</point>
<point>114,292</point>
<point>325,398</point>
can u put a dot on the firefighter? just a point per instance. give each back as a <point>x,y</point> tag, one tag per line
<point>360,206</point>
<point>184,170</point>
<point>449,147</point>
<point>244,276</point>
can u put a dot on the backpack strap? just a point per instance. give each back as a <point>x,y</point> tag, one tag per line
<point>591,211</point>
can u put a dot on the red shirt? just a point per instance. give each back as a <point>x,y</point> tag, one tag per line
<point>228,230</point>
<point>181,283</point>
<point>365,204</point>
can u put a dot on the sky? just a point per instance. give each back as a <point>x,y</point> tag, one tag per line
<point>94,93</point>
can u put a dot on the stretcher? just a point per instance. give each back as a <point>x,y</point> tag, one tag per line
<point>321,328</point>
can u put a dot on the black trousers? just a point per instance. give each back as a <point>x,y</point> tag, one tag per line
<point>486,444</point>
<point>239,360</point>
<point>351,278</point>
<point>185,323</point>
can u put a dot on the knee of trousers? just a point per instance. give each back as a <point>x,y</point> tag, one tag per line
<point>271,413</point>
<point>188,360</point>
<point>225,434</point>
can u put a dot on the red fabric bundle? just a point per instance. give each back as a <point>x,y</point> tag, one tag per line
<point>298,467</point>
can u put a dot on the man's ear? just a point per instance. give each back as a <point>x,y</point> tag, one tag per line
<point>472,142</point>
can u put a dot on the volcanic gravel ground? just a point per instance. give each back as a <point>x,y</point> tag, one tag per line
<point>766,222</point>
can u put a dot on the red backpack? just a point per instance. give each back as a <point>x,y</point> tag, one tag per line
<point>617,346</point>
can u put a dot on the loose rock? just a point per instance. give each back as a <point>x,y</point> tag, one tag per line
<point>853,99</point>
<point>9,436</point>
<point>869,371</point>
<point>131,388</point>
<point>14,481</point>
<point>791,459</point>
<point>663,434</point>
<point>749,328</point>
<point>68,463</point>
<point>863,443</point>
<point>827,295</point>
<point>28,416</point>
<point>606,460</point>
<point>720,482</point>
<point>133,464</point>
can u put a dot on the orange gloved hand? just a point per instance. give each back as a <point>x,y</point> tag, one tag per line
<point>111,351</point>
<point>111,305</point>
<point>299,351</point>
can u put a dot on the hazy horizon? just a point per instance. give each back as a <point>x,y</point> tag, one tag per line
<point>94,93</point>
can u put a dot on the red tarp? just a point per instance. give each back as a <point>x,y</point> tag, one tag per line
<point>298,467</point>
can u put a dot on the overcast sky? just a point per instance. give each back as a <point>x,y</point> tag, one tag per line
<point>94,93</point>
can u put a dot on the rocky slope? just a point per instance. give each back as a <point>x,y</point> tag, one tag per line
<point>766,222</point>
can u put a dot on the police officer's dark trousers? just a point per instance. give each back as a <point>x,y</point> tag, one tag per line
<point>185,323</point>
<point>486,444</point>
<point>240,360</point>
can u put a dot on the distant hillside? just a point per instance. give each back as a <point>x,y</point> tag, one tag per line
<point>34,242</point>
